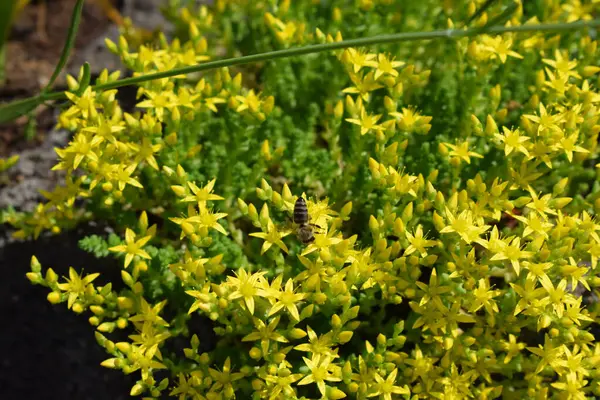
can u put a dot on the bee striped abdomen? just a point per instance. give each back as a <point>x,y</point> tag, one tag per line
<point>300,212</point>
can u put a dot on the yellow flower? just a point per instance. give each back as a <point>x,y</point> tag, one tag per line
<point>76,285</point>
<point>562,65</point>
<point>500,47</point>
<point>512,140</point>
<point>150,313</point>
<point>536,270</point>
<point>432,292</point>
<point>512,348</point>
<point>549,354</point>
<point>104,130</point>
<point>366,122</point>
<point>122,174</point>
<point>132,247</point>
<point>540,204</point>
<point>202,195</point>
<point>84,104</point>
<point>387,66</point>
<point>461,150</point>
<point>317,344</point>
<point>264,334</point>
<point>272,237</point>
<point>418,242</point>
<point>567,144</point>
<point>410,120</point>
<point>321,370</point>
<point>384,388</point>
<point>359,59</point>
<point>559,83</point>
<point>185,388</point>
<point>483,297</point>
<point>464,226</point>
<point>159,102</point>
<point>145,152</point>
<point>558,295</point>
<point>223,379</point>
<point>288,299</point>
<point>210,103</point>
<point>250,102</point>
<point>79,149</point>
<point>209,220</point>
<point>247,286</point>
<point>513,253</point>
<point>535,224</point>
<point>576,273</point>
<point>363,85</point>
<point>546,121</point>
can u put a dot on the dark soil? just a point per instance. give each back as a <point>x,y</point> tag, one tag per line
<point>47,351</point>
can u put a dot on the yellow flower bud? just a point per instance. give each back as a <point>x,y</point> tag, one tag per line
<point>264,215</point>
<point>122,323</point>
<point>110,363</point>
<point>78,308</point>
<point>138,288</point>
<point>353,387</point>
<point>471,8</point>
<point>345,336</point>
<point>374,226</point>
<point>490,126</point>
<point>123,46</point>
<point>320,298</point>
<point>252,212</point>
<point>265,151</point>
<point>336,14</point>
<point>137,389</point>
<point>297,333</point>
<point>106,326</point>
<point>54,297</point>
<point>125,303</point>
<point>476,125</point>
<point>97,309</point>
<point>123,347</point>
<point>127,278</point>
<point>559,188</point>
<point>34,277</point>
<point>544,321</point>
<point>346,210</point>
<point>35,264</point>
<point>407,213</point>
<point>255,353</point>
<point>325,255</point>
<point>335,394</point>
<point>561,202</point>
<point>590,70</point>
<point>442,149</point>
<point>501,115</point>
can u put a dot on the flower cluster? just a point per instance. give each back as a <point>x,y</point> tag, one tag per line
<point>451,197</point>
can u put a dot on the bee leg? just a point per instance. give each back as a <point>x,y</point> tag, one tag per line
<point>317,226</point>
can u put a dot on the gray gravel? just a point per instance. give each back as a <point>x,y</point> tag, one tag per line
<point>33,171</point>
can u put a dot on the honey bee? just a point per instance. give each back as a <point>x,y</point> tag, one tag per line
<point>305,230</point>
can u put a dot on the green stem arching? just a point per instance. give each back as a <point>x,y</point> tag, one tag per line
<point>13,107</point>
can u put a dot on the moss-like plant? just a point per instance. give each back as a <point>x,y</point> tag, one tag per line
<point>450,184</point>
